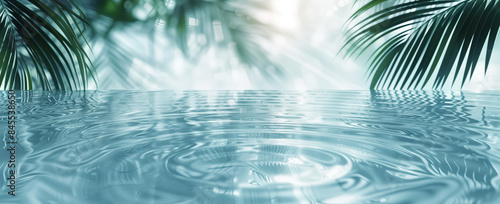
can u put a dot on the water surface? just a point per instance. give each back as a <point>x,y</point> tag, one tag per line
<point>256,147</point>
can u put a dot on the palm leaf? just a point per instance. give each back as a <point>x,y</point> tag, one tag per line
<point>114,56</point>
<point>424,39</point>
<point>42,46</point>
<point>194,25</point>
<point>224,23</point>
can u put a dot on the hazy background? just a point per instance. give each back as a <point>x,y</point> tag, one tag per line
<point>301,38</point>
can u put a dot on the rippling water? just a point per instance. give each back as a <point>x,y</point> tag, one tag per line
<point>256,147</point>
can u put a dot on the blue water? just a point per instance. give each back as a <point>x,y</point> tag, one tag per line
<point>255,147</point>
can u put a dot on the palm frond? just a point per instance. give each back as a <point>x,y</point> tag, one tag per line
<point>195,26</point>
<point>114,56</point>
<point>42,46</point>
<point>424,39</point>
<point>225,23</point>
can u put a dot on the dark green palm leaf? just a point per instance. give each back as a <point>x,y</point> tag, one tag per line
<point>424,39</point>
<point>42,46</point>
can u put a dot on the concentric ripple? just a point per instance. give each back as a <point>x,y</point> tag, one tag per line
<point>257,147</point>
<point>244,165</point>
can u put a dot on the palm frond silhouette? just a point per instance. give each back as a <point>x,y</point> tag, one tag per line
<point>45,42</point>
<point>424,40</point>
<point>42,45</point>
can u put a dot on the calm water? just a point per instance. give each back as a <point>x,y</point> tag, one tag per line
<point>256,147</point>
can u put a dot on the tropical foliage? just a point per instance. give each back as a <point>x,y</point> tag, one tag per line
<point>42,45</point>
<point>61,44</point>
<point>421,40</point>
<point>57,47</point>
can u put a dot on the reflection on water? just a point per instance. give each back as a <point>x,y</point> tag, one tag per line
<point>257,147</point>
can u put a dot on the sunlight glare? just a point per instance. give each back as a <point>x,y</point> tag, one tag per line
<point>286,14</point>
